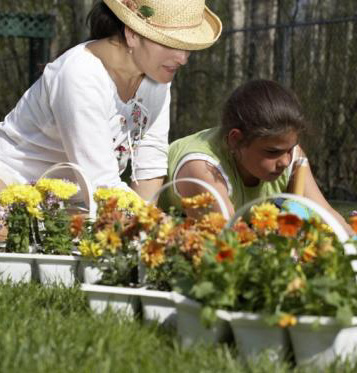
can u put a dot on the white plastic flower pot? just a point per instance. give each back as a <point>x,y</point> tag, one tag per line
<point>321,340</point>
<point>89,272</point>
<point>119,299</point>
<point>158,306</point>
<point>16,267</point>
<point>190,328</point>
<point>253,336</point>
<point>57,269</point>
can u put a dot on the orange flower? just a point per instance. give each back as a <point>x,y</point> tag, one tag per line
<point>287,320</point>
<point>212,222</point>
<point>353,222</point>
<point>76,226</point>
<point>152,254</point>
<point>149,216</point>
<point>264,217</point>
<point>309,253</point>
<point>225,255</point>
<point>289,224</point>
<point>199,201</point>
<point>225,252</point>
<point>245,234</point>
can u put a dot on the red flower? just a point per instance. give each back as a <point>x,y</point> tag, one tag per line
<point>289,225</point>
<point>227,254</point>
<point>121,148</point>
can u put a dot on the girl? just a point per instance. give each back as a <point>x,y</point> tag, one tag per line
<point>107,100</point>
<point>251,154</point>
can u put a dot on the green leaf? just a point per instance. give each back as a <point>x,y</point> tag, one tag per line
<point>344,315</point>
<point>146,11</point>
<point>203,289</point>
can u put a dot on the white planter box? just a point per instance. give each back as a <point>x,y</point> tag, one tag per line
<point>321,345</point>
<point>89,273</point>
<point>120,299</point>
<point>57,269</point>
<point>158,306</point>
<point>253,336</point>
<point>190,328</point>
<point>16,267</point>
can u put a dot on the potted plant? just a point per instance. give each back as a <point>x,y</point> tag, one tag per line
<point>111,244</point>
<point>20,210</point>
<point>171,255</point>
<point>54,241</point>
<point>269,270</point>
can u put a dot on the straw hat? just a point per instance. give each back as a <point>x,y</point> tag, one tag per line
<point>179,24</point>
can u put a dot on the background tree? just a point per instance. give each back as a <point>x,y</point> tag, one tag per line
<point>308,45</point>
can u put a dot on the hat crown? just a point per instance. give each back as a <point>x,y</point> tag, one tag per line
<point>174,13</point>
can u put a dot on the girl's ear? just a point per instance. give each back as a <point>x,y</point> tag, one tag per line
<point>234,138</point>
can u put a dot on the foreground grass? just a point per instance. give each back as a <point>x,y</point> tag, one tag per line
<point>53,330</point>
<point>344,207</point>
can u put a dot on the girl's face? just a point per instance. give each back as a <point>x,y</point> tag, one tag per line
<point>158,62</point>
<point>265,158</point>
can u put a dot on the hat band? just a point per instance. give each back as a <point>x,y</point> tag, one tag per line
<point>174,27</point>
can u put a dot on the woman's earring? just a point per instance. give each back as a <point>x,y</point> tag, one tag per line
<point>130,51</point>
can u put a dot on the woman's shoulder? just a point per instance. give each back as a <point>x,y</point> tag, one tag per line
<point>76,63</point>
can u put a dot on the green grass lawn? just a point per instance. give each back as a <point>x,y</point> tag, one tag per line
<point>53,330</point>
<point>344,207</point>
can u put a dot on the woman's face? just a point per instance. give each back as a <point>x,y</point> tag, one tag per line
<point>158,62</point>
<point>265,158</point>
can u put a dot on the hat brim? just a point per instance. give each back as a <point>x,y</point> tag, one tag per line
<point>191,38</point>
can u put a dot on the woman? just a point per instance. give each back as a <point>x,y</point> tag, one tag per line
<point>250,155</point>
<point>106,101</point>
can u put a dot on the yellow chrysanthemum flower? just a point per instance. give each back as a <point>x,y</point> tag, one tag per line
<point>60,188</point>
<point>264,217</point>
<point>35,212</point>
<point>90,249</point>
<point>126,200</point>
<point>20,193</point>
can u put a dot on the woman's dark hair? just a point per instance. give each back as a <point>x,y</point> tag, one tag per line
<point>262,108</point>
<point>104,23</point>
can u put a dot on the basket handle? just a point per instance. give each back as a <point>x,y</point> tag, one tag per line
<point>83,181</point>
<point>325,215</point>
<point>210,188</point>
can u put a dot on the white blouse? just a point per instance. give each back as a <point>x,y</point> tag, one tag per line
<point>73,113</point>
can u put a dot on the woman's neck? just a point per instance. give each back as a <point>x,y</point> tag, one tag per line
<point>119,63</point>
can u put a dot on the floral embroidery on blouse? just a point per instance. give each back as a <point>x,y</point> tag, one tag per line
<point>136,132</point>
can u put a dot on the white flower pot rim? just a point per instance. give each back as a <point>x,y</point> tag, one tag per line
<point>145,292</point>
<point>323,320</point>
<point>110,289</point>
<point>185,302</point>
<point>57,258</point>
<point>18,256</point>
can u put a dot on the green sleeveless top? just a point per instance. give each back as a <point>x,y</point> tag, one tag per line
<point>210,143</point>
